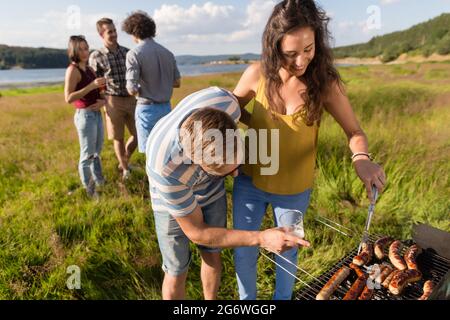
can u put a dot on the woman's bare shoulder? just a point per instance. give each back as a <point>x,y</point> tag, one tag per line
<point>251,76</point>
<point>254,70</point>
<point>72,70</point>
<point>73,75</point>
<point>335,88</point>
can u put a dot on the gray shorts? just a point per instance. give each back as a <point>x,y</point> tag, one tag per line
<point>174,244</point>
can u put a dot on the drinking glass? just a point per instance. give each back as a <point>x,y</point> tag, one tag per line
<point>293,219</point>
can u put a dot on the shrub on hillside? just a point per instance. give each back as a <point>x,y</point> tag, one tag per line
<point>428,51</point>
<point>443,46</point>
<point>390,54</point>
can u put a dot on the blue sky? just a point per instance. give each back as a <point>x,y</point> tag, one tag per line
<point>201,27</point>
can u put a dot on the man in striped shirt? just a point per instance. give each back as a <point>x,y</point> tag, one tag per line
<point>186,166</point>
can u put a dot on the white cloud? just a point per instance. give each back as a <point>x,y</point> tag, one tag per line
<point>54,28</point>
<point>206,19</point>
<point>212,24</point>
<point>208,28</point>
<point>386,2</point>
<point>350,32</point>
<point>258,12</point>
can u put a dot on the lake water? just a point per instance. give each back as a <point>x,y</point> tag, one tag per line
<point>20,77</point>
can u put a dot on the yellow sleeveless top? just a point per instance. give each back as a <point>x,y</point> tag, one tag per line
<point>297,149</point>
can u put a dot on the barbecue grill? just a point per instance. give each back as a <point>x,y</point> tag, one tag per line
<point>433,262</point>
<point>432,266</point>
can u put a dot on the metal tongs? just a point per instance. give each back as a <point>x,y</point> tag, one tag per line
<point>365,235</point>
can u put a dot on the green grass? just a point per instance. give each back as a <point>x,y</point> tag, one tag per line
<point>435,74</point>
<point>48,224</point>
<point>405,70</point>
<point>14,92</point>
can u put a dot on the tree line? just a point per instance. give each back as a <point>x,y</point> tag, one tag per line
<point>32,58</point>
<point>426,38</point>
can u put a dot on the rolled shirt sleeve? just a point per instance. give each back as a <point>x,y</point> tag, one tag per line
<point>133,72</point>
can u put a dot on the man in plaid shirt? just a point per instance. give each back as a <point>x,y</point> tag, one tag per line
<point>110,62</point>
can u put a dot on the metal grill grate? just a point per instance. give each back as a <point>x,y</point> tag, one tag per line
<point>432,266</point>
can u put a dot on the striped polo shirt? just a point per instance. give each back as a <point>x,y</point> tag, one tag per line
<point>177,187</point>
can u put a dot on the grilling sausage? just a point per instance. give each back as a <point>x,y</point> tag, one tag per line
<point>358,286</point>
<point>333,283</point>
<point>379,246</point>
<point>387,281</point>
<point>365,256</point>
<point>395,257</point>
<point>356,289</point>
<point>401,280</point>
<point>358,271</point>
<point>411,255</point>
<point>427,290</point>
<point>366,294</point>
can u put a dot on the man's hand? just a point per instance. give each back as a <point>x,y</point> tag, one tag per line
<point>278,240</point>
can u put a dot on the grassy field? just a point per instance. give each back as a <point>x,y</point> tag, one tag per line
<point>47,223</point>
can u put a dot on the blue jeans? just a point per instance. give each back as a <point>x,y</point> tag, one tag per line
<point>249,208</point>
<point>174,244</point>
<point>146,117</point>
<point>89,125</point>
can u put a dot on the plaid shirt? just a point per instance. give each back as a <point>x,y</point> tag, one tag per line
<point>112,66</point>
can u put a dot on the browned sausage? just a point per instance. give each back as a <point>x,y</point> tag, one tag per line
<point>379,246</point>
<point>366,294</point>
<point>411,256</point>
<point>358,271</point>
<point>428,287</point>
<point>387,281</point>
<point>333,283</point>
<point>356,289</point>
<point>401,280</point>
<point>365,256</point>
<point>395,257</point>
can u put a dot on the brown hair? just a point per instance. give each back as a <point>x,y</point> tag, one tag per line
<point>210,119</point>
<point>140,25</point>
<point>101,23</point>
<point>286,17</point>
<point>73,50</point>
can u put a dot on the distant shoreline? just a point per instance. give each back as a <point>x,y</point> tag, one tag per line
<point>350,61</point>
<point>33,78</point>
<point>28,85</point>
<point>229,62</point>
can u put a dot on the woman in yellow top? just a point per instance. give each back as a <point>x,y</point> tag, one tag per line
<point>289,88</point>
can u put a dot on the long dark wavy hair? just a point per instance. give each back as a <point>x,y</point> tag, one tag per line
<point>321,73</point>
